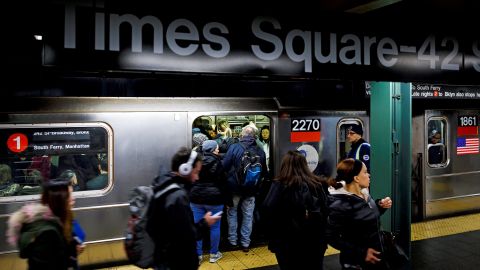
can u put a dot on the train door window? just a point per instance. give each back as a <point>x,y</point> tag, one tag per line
<point>226,130</point>
<point>32,154</point>
<point>437,142</point>
<point>344,145</point>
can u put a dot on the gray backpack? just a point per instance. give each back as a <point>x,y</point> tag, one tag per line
<point>138,244</point>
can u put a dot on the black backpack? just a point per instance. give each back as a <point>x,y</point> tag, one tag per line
<point>138,244</point>
<point>249,172</point>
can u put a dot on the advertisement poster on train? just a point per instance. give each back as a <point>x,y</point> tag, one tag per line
<point>311,155</point>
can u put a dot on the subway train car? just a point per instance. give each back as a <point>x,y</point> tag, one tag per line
<point>135,138</point>
<point>445,162</point>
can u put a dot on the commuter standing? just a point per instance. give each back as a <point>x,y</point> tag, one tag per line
<point>295,211</point>
<point>243,196</point>
<point>354,220</point>
<point>43,231</point>
<point>264,143</point>
<point>360,148</point>
<point>208,195</point>
<point>171,222</point>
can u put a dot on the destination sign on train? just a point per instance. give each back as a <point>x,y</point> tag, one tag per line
<point>40,141</point>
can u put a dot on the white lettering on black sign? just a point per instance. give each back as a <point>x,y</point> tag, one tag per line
<point>305,125</point>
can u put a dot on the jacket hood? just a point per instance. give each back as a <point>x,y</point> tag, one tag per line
<point>248,140</point>
<point>28,214</point>
<point>169,178</point>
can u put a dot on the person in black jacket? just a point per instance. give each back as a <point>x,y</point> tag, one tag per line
<point>208,195</point>
<point>171,222</point>
<point>353,223</point>
<point>295,210</point>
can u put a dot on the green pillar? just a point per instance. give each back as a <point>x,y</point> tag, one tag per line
<point>390,165</point>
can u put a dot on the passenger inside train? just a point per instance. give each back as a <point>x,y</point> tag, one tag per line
<point>436,149</point>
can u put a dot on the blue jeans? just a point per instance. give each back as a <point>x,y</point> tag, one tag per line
<point>199,211</point>
<point>247,206</point>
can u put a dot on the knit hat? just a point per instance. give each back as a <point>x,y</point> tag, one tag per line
<point>198,139</point>
<point>209,146</point>
<point>355,128</point>
<point>195,130</point>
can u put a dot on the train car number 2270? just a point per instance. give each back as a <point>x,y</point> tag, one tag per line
<point>305,130</point>
<point>305,125</point>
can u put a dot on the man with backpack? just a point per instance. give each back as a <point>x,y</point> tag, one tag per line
<point>246,165</point>
<point>170,223</point>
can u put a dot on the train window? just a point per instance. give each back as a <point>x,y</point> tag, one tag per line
<point>32,154</point>
<point>437,142</point>
<point>226,130</point>
<point>344,146</point>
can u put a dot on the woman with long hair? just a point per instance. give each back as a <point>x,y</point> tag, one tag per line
<point>354,224</point>
<point>43,231</point>
<point>295,211</point>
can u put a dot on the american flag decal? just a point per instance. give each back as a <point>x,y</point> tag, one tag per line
<point>467,146</point>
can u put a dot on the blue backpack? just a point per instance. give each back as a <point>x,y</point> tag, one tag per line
<point>250,170</point>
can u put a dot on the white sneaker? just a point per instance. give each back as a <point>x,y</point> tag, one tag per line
<point>200,258</point>
<point>215,257</point>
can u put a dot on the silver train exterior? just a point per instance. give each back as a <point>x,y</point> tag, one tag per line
<point>449,185</point>
<point>143,134</point>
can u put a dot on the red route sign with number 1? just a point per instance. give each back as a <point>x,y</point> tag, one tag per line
<point>17,142</point>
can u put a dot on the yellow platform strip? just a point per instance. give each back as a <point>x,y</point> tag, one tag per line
<point>261,256</point>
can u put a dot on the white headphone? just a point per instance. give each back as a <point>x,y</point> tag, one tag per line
<point>186,168</point>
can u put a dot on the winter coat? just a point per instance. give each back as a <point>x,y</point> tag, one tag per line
<point>38,234</point>
<point>295,217</point>
<point>232,159</point>
<point>210,188</point>
<point>361,151</point>
<point>172,227</point>
<point>353,225</point>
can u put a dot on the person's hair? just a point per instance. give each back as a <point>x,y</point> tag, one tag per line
<point>227,132</point>
<point>57,198</point>
<point>222,122</point>
<point>347,169</point>
<point>294,171</point>
<point>248,131</point>
<point>182,156</point>
<point>260,136</point>
<point>209,127</point>
<point>5,173</point>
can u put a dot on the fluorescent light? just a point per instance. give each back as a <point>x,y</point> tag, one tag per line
<point>38,37</point>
